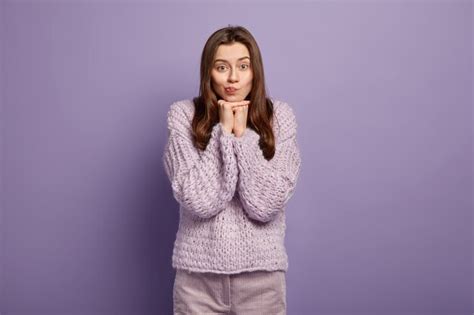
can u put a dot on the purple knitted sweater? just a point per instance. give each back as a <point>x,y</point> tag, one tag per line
<point>231,199</point>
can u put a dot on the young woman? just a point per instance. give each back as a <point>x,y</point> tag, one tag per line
<point>233,161</point>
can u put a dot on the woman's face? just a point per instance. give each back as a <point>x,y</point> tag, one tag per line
<point>232,69</point>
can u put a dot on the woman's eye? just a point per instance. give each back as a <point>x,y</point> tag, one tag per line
<point>222,67</point>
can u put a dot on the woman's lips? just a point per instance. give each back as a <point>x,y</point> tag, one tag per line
<point>230,90</point>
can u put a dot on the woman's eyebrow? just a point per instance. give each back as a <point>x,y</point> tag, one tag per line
<point>226,60</point>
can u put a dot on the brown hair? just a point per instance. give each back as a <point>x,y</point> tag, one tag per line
<point>260,111</point>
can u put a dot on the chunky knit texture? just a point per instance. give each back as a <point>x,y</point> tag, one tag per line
<point>231,199</point>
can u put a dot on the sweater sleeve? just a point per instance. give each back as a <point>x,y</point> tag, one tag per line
<point>202,181</point>
<point>264,186</point>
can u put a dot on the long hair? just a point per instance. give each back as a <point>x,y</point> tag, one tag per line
<point>260,111</point>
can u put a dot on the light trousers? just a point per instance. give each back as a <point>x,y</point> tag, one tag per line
<point>247,293</point>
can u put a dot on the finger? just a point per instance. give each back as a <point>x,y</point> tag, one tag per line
<point>240,105</point>
<point>237,106</point>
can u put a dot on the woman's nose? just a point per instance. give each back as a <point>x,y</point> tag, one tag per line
<point>233,76</point>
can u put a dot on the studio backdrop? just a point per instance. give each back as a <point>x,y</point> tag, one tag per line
<point>381,219</point>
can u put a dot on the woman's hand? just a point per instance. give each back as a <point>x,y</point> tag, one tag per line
<point>233,116</point>
<point>226,115</point>
<point>240,119</point>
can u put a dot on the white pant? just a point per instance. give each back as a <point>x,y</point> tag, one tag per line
<point>247,293</point>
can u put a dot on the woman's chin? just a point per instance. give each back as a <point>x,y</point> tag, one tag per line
<point>233,98</point>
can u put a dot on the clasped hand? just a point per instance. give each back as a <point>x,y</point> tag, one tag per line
<point>233,116</point>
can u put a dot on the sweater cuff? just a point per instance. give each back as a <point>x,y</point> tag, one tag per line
<point>247,150</point>
<point>226,139</point>
<point>230,171</point>
<point>249,136</point>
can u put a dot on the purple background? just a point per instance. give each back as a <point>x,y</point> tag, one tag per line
<point>381,220</point>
